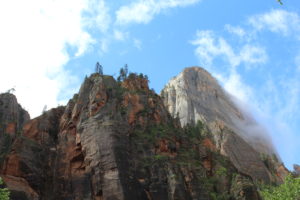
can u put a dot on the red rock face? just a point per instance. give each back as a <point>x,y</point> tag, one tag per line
<point>12,115</point>
<point>282,172</point>
<point>209,144</point>
<point>12,165</point>
<point>11,128</point>
<point>24,169</point>
<point>20,185</point>
<point>113,141</point>
<point>135,83</point>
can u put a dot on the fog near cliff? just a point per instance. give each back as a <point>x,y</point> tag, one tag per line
<point>277,126</point>
<point>252,128</point>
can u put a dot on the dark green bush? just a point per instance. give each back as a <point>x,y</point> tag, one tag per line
<point>289,190</point>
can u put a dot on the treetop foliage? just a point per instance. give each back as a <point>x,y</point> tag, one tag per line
<point>99,68</point>
<point>123,73</point>
<point>289,190</point>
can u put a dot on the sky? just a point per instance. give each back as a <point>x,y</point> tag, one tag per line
<point>252,47</point>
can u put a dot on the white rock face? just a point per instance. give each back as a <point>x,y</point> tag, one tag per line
<point>195,95</point>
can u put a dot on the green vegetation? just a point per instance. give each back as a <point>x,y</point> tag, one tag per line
<point>155,132</point>
<point>4,192</point>
<point>196,132</point>
<point>222,171</point>
<point>99,68</point>
<point>216,196</point>
<point>289,190</point>
<point>123,73</point>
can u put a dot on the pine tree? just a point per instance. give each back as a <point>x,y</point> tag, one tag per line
<point>123,73</point>
<point>99,68</point>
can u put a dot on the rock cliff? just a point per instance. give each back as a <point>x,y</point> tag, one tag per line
<point>194,95</point>
<point>296,169</point>
<point>12,119</point>
<point>115,140</point>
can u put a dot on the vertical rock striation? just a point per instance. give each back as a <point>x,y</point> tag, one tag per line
<point>194,95</point>
<point>117,141</point>
<point>12,119</point>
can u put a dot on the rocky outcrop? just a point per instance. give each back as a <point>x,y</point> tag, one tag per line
<point>12,115</point>
<point>12,119</point>
<point>296,169</point>
<point>28,168</point>
<point>194,95</point>
<point>117,141</point>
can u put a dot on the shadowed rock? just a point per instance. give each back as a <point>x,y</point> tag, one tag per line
<point>12,119</point>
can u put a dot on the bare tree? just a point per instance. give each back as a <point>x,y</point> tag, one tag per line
<point>11,90</point>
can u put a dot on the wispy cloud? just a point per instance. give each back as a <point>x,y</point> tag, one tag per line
<point>278,21</point>
<point>209,46</point>
<point>143,11</point>
<point>137,43</point>
<point>234,84</point>
<point>120,35</point>
<point>97,15</point>
<point>237,30</point>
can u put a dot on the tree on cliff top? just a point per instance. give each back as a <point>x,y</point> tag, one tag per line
<point>99,68</point>
<point>4,193</point>
<point>123,73</point>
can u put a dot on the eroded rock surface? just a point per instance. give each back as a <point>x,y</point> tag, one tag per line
<point>194,95</point>
<point>28,170</point>
<point>12,119</point>
<point>117,141</point>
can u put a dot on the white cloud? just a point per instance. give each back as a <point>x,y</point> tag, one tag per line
<point>97,15</point>
<point>120,35</point>
<point>210,46</point>
<point>35,37</point>
<point>237,30</point>
<point>143,11</point>
<point>234,84</point>
<point>278,21</point>
<point>137,43</point>
<point>251,54</point>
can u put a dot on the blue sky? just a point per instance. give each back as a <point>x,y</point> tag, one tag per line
<point>252,47</point>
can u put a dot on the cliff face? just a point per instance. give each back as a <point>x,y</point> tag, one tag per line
<point>12,119</point>
<point>194,95</point>
<point>117,141</point>
<point>12,115</point>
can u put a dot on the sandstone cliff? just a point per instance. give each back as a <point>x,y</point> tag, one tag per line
<point>117,141</point>
<point>12,119</point>
<point>194,95</point>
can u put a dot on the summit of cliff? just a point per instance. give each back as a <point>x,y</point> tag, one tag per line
<point>194,95</point>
